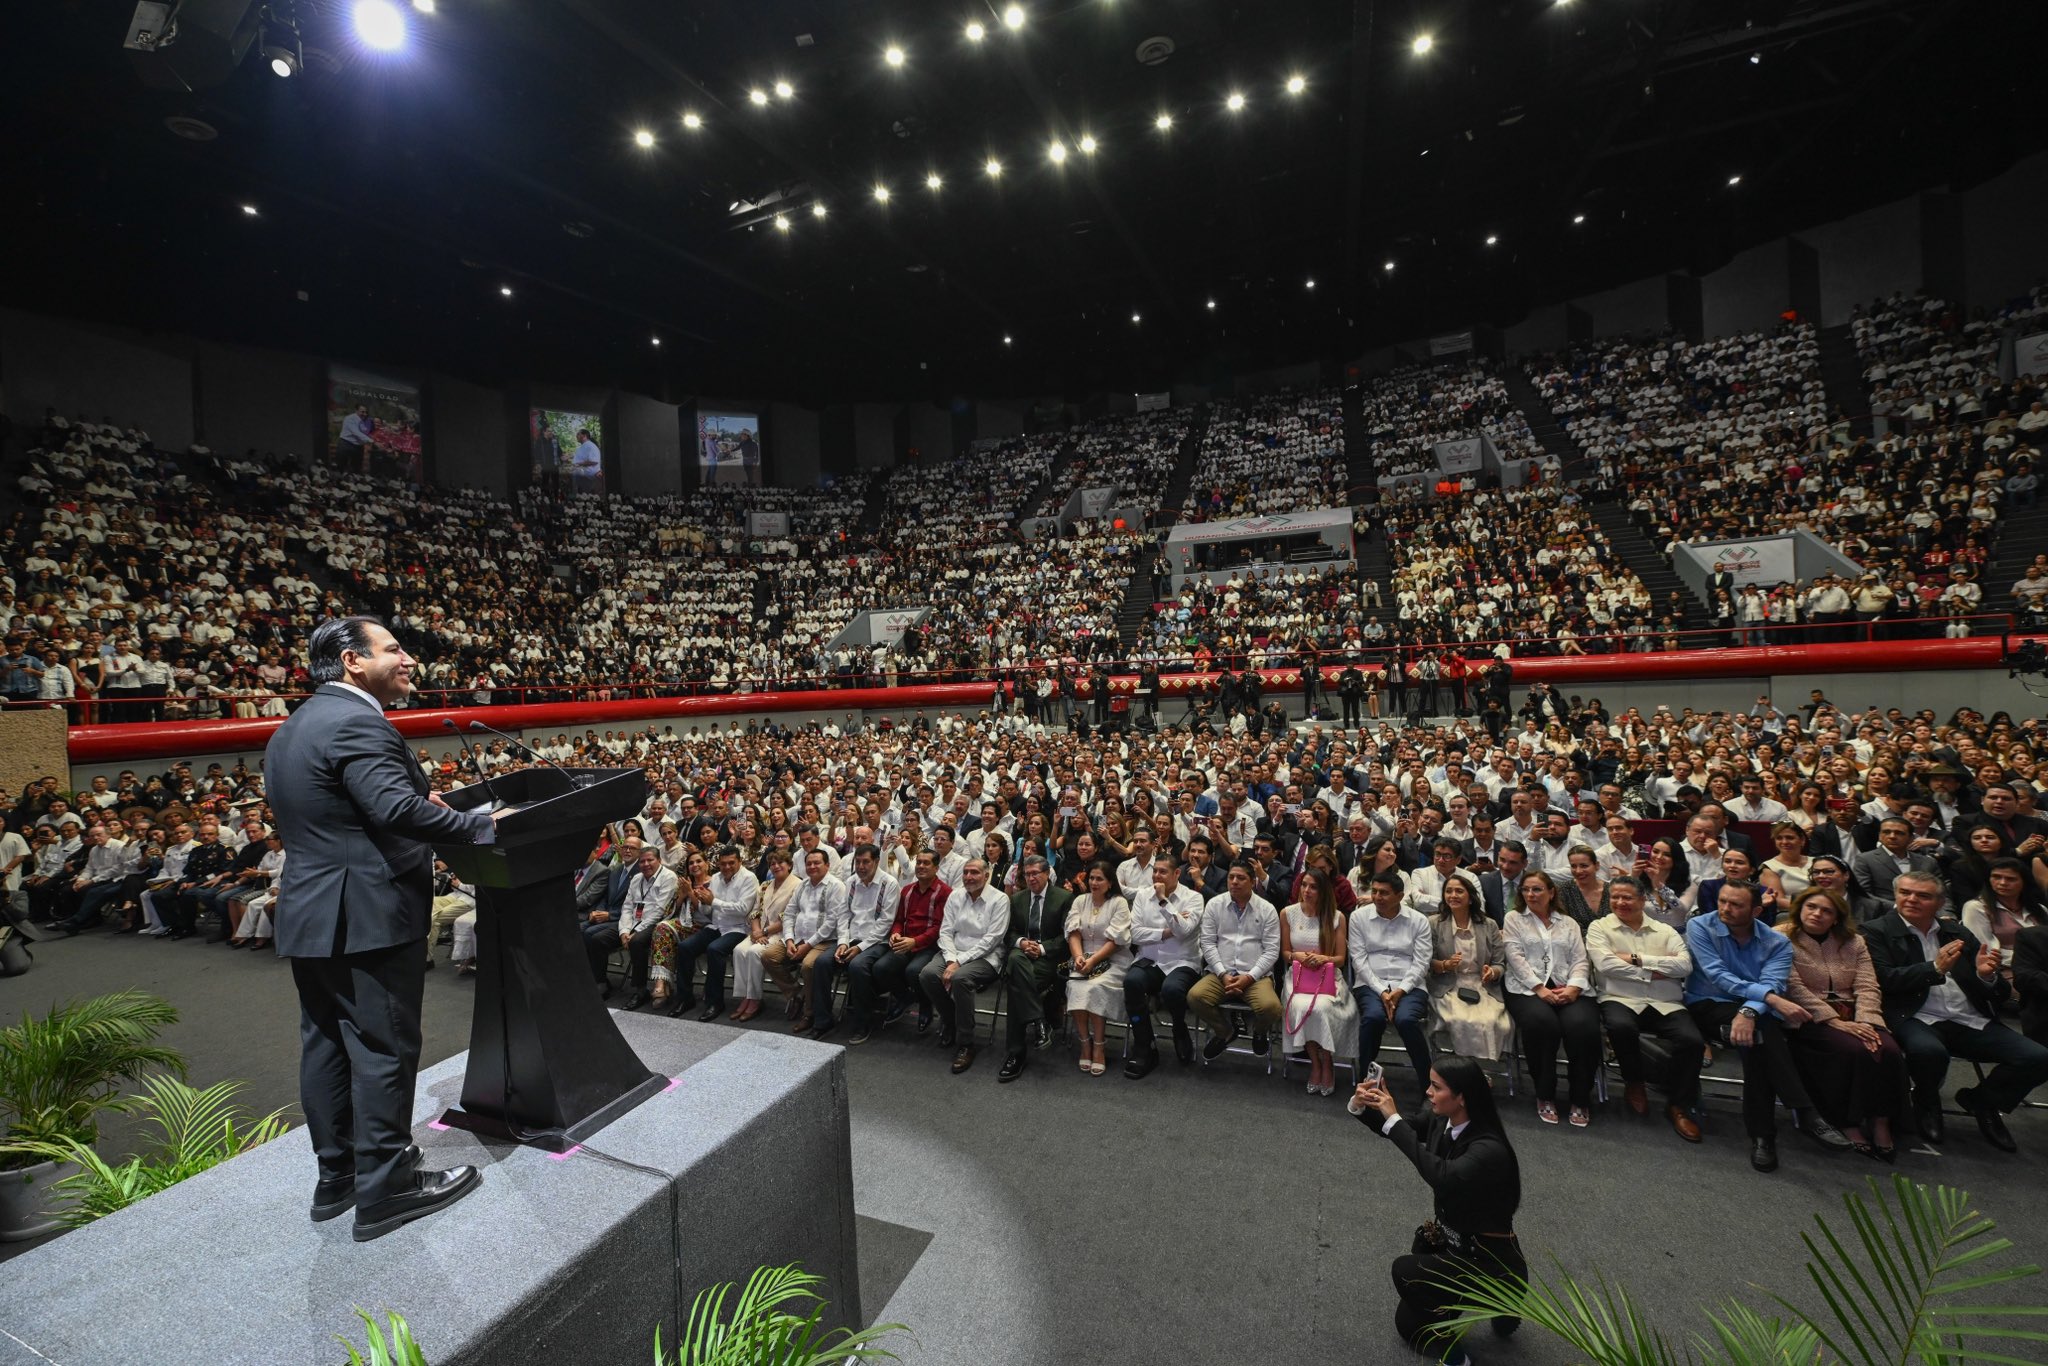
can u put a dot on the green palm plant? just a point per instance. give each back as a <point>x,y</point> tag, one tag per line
<point>61,1072</point>
<point>195,1130</point>
<point>401,1350</point>
<point>1890,1302</point>
<point>763,1332</point>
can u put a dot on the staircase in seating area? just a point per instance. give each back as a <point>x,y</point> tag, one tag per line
<point>1641,555</point>
<point>1376,565</point>
<point>877,504</point>
<point>1055,477</point>
<point>1841,374</point>
<point>2024,536</point>
<point>1183,471</point>
<point>1360,469</point>
<point>1544,427</point>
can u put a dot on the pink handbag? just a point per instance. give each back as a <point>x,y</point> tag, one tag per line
<point>1305,984</point>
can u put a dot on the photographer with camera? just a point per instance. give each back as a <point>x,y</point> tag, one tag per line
<point>1462,1151</point>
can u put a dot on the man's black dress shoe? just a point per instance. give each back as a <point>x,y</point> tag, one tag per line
<point>1041,1035</point>
<point>1183,1044</point>
<point>712,1011</point>
<point>821,1031</point>
<point>636,1000</point>
<point>1990,1123</point>
<point>1013,1068</point>
<point>1141,1063</point>
<point>1932,1127</point>
<point>432,1191</point>
<point>336,1197</point>
<point>683,1006</point>
<point>1763,1154</point>
<point>947,1037</point>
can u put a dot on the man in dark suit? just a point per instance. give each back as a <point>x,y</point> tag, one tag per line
<point>1942,990</point>
<point>1499,890</point>
<point>352,912</point>
<point>1037,950</point>
<point>1871,873</point>
<point>2024,835</point>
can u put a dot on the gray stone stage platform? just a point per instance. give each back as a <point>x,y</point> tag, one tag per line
<point>553,1259</point>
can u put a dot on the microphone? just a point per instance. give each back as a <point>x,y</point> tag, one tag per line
<point>529,752</point>
<point>474,766</point>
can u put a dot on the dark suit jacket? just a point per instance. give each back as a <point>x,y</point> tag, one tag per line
<point>1477,1182</point>
<point>2021,826</point>
<point>352,805</point>
<point>1493,892</point>
<point>1051,929</point>
<point>2030,975</point>
<point>1871,875</point>
<point>1905,974</point>
<point>1830,839</point>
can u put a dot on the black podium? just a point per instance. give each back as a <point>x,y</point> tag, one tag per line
<point>547,1065</point>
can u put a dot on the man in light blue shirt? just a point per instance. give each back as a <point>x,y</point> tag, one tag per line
<point>1736,993</point>
<point>358,436</point>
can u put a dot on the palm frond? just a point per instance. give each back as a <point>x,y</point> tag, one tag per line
<point>401,1350</point>
<point>61,1071</point>
<point>1604,1324</point>
<point>1743,1337</point>
<point>762,1329</point>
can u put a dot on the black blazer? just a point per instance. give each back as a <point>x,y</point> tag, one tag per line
<point>1905,975</point>
<point>1477,1181</point>
<point>1052,927</point>
<point>352,805</point>
<point>2030,975</point>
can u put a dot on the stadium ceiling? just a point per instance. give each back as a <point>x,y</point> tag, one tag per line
<point>399,196</point>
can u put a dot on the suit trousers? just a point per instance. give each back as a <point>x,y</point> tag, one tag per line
<point>1425,1303</point>
<point>1206,999</point>
<point>860,985</point>
<point>968,979</point>
<point>2018,1064</point>
<point>1411,1022</point>
<point>1769,1074</point>
<point>1142,982</point>
<point>1032,983</point>
<point>1681,1035</point>
<point>902,975</point>
<point>359,1042</point>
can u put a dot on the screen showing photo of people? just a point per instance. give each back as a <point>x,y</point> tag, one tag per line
<point>568,451</point>
<point>729,447</point>
<point>373,424</point>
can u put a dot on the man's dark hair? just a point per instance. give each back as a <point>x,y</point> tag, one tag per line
<point>330,639</point>
<point>1387,877</point>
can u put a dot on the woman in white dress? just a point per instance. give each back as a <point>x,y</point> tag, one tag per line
<point>1467,955</point>
<point>1312,934</point>
<point>1788,872</point>
<point>1099,942</point>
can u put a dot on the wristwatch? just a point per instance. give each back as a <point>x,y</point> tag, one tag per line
<point>1749,1011</point>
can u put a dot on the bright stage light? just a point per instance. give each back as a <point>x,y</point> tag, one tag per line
<point>643,139</point>
<point>1163,122</point>
<point>505,290</point>
<point>1006,339</point>
<point>1734,180</point>
<point>1087,144</point>
<point>423,6</point>
<point>993,167</point>
<point>1578,218</point>
<point>758,95</point>
<point>692,122</point>
<point>1422,44</point>
<point>1491,239</point>
<point>817,210</point>
<point>379,24</point>
<point>894,56</point>
<point>975,32</point>
<point>784,90</point>
<point>1235,102</point>
<point>654,341</point>
<point>1013,17</point>
<point>933,181</point>
<point>1212,305</point>
<point>881,194</point>
<point>1309,284</point>
<point>1134,317</point>
<point>1389,267</point>
<point>1056,152</point>
<point>249,210</point>
<point>782,222</point>
<point>1296,84</point>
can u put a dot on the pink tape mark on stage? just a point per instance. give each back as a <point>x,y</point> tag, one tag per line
<point>673,1083</point>
<point>564,1157</point>
<point>437,1126</point>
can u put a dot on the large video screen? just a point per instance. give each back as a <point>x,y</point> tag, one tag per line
<point>568,450</point>
<point>373,424</point>
<point>728,447</point>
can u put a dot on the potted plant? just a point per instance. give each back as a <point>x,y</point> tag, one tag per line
<point>58,1075</point>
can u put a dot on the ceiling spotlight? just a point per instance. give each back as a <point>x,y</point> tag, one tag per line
<point>975,32</point>
<point>1422,44</point>
<point>282,50</point>
<point>933,181</point>
<point>1296,84</point>
<point>423,6</point>
<point>1057,152</point>
<point>758,95</point>
<point>1491,239</point>
<point>782,222</point>
<point>379,24</point>
<point>1087,144</point>
<point>692,122</point>
<point>1734,180</point>
<point>505,290</point>
<point>1756,58</point>
<point>1212,305</point>
<point>817,210</point>
<point>1235,102</point>
<point>881,193</point>
<point>1006,339</point>
<point>249,210</point>
<point>1309,283</point>
<point>654,341</point>
<point>1578,218</point>
<point>993,167</point>
<point>1388,267</point>
<point>1013,17</point>
<point>784,90</point>
<point>1134,317</point>
<point>894,56</point>
<point>1163,122</point>
<point>643,138</point>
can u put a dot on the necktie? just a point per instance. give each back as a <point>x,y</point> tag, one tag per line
<point>1037,909</point>
<point>1300,855</point>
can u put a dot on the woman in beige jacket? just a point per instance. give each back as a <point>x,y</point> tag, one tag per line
<point>1851,1063</point>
